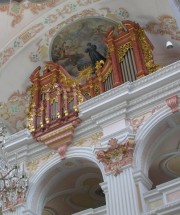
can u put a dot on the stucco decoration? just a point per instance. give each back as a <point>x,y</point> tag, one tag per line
<point>33,165</point>
<point>137,121</point>
<point>172,103</point>
<point>14,111</point>
<point>44,22</point>
<point>116,156</point>
<point>17,10</point>
<point>90,141</point>
<point>80,45</point>
<point>43,44</point>
<point>166,25</point>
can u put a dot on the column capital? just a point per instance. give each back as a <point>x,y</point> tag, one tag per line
<point>116,155</point>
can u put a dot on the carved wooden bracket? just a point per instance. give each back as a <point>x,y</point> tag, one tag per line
<point>60,138</point>
<point>172,102</point>
<point>116,156</point>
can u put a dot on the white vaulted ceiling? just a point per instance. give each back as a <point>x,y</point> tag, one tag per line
<point>28,29</point>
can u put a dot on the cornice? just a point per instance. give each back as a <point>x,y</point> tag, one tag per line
<point>121,136</point>
<point>110,97</point>
<point>155,77</point>
<point>160,192</point>
<point>20,136</point>
<point>26,147</point>
<point>172,207</point>
<point>85,128</point>
<point>154,98</point>
<point>140,177</point>
<point>114,112</point>
<point>127,99</point>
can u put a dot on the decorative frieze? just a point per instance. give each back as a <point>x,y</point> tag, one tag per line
<point>89,141</point>
<point>34,164</point>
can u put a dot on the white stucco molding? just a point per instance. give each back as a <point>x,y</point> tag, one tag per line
<point>107,100</point>
<point>25,146</point>
<point>138,94</point>
<point>121,136</point>
<point>43,172</point>
<point>140,177</point>
<point>132,99</point>
<point>161,192</point>
<point>90,211</point>
<point>20,136</point>
<point>141,138</point>
<point>86,127</point>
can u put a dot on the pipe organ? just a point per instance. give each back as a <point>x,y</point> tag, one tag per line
<point>55,95</point>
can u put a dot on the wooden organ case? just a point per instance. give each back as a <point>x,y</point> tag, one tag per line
<point>55,95</point>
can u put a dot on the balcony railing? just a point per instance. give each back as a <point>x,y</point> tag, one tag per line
<point>165,198</point>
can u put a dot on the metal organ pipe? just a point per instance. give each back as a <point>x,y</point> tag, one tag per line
<point>133,63</point>
<point>108,84</point>
<point>128,67</point>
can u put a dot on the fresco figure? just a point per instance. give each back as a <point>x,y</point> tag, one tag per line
<point>94,54</point>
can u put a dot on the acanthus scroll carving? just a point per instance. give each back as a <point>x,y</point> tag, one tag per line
<point>116,156</point>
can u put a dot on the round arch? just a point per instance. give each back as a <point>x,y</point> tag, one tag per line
<point>37,192</point>
<point>144,146</point>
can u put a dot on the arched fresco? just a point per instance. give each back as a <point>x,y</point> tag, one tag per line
<point>81,44</point>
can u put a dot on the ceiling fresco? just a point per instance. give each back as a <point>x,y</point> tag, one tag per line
<point>14,111</point>
<point>81,45</point>
<point>4,1</point>
<point>17,10</point>
<point>166,26</point>
<point>43,44</point>
<point>34,1</point>
<point>45,22</point>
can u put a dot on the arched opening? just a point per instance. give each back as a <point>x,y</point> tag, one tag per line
<point>165,157</point>
<point>157,156</point>
<point>68,187</point>
<point>158,148</point>
<point>77,190</point>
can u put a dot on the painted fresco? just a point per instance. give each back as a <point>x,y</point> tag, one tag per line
<point>4,1</point>
<point>166,25</point>
<point>81,45</point>
<point>18,8</point>
<point>15,110</point>
<point>34,1</point>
